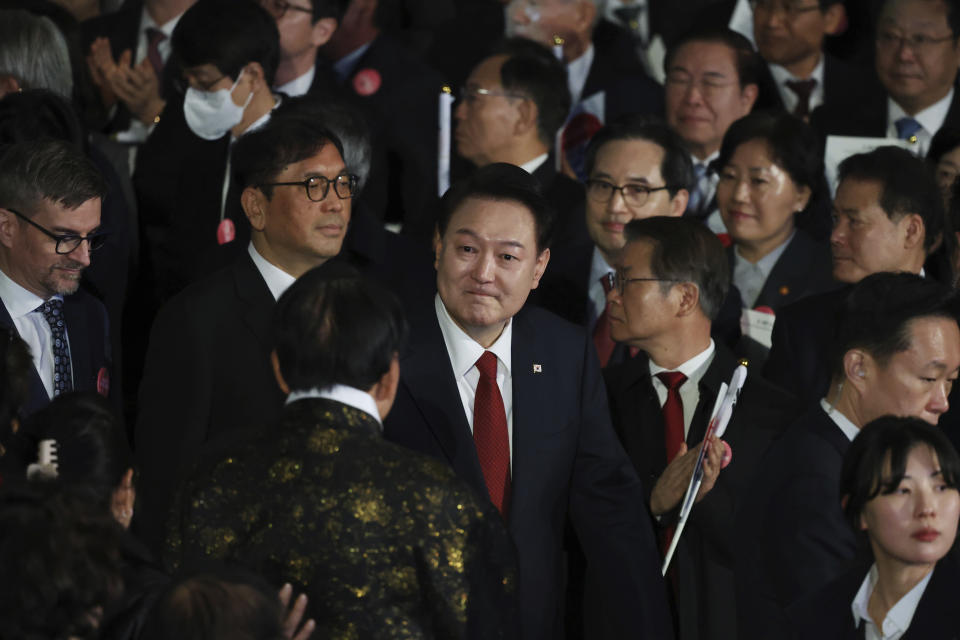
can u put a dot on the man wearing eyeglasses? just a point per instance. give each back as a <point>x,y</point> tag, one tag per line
<point>50,199</point>
<point>917,59</point>
<point>671,279</point>
<point>304,26</point>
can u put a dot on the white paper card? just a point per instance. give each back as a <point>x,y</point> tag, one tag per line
<point>757,325</point>
<point>839,148</point>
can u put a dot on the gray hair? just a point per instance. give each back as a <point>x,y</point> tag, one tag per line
<point>33,51</point>
<point>348,125</point>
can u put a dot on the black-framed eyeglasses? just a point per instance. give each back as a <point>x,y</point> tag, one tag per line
<point>346,186</point>
<point>618,281</point>
<point>634,195</point>
<point>918,42</point>
<point>792,8</point>
<point>278,8</point>
<point>182,84</point>
<point>66,242</point>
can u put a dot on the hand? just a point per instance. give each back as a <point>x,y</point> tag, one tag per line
<point>294,614</point>
<point>672,484</point>
<point>102,66</point>
<point>138,88</point>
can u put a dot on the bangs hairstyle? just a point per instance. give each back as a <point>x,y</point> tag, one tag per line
<point>334,327</point>
<point>261,155</point>
<point>686,251</point>
<point>889,440</point>
<point>47,169</point>
<point>229,34</point>
<point>501,182</point>
<point>877,312</point>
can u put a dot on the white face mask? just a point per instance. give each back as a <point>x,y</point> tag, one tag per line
<point>210,114</point>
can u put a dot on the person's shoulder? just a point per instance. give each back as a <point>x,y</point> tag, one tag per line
<point>548,324</point>
<point>814,306</point>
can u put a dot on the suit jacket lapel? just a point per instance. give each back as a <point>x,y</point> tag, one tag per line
<point>717,373</point>
<point>80,337</point>
<point>255,298</point>
<point>36,394</point>
<point>644,437</point>
<point>430,379</point>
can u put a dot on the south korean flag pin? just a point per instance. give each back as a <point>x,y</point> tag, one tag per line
<point>538,368</point>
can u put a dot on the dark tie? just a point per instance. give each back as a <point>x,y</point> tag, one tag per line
<point>154,38</point>
<point>601,331</point>
<point>630,17</point>
<point>490,433</point>
<point>672,412</point>
<point>803,89</point>
<point>907,129</point>
<point>52,311</point>
<point>698,195</point>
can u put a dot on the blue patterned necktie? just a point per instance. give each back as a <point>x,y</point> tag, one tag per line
<point>52,311</point>
<point>907,128</point>
<point>696,201</point>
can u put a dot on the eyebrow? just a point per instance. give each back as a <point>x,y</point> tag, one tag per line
<point>472,234</point>
<point>66,231</point>
<point>601,174</point>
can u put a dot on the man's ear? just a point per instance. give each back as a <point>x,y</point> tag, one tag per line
<point>586,12</point>
<point>748,95</point>
<point>254,204</point>
<point>857,368</point>
<point>8,228</point>
<point>384,392</point>
<point>689,298</point>
<point>322,31</point>
<point>8,84</point>
<point>678,203</point>
<point>529,114</point>
<point>834,19</point>
<point>914,231</point>
<point>277,374</point>
<point>437,248</point>
<point>254,71</point>
<point>542,260</point>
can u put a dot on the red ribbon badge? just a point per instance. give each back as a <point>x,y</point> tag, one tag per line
<point>103,382</point>
<point>367,82</point>
<point>226,232</point>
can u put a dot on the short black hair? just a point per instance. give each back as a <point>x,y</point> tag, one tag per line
<point>334,327</point>
<point>329,9</point>
<point>92,450</point>
<point>748,61</point>
<point>685,250</point>
<point>39,113</point>
<point>47,169</point>
<point>229,34</point>
<point>793,146</point>
<point>676,166</point>
<point>501,182</point>
<point>288,137</point>
<point>532,70</point>
<point>908,185</point>
<point>888,441</point>
<point>60,559</point>
<point>953,14</point>
<point>877,313</point>
<point>221,603</point>
<point>945,140</point>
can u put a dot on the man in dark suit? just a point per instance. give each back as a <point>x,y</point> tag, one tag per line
<point>604,74</point>
<point>887,217</point>
<point>512,399</point>
<point>671,280</point>
<point>514,103</point>
<point>50,197</point>
<point>917,59</point>
<point>426,555</point>
<point>637,169</point>
<point>712,76</point>
<point>209,347</point>
<point>898,352</point>
<point>304,26</point>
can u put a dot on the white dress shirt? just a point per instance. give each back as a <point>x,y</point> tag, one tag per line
<point>689,391</point>
<point>464,352</point>
<point>781,76</point>
<point>843,423</point>
<point>577,72</point>
<point>898,618</point>
<point>532,165</point>
<point>595,293</point>
<point>357,398</point>
<point>299,85</point>
<point>931,119</point>
<point>276,278</point>
<point>31,326</point>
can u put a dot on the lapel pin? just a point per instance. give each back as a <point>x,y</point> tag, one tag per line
<point>538,368</point>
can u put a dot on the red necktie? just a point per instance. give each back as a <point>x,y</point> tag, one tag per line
<point>154,38</point>
<point>490,433</point>
<point>672,412</point>
<point>601,331</point>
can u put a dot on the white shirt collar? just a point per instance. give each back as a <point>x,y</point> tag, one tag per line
<point>767,262</point>
<point>931,118</point>
<point>706,161</point>
<point>351,396</point>
<point>843,422</point>
<point>465,351</point>
<point>900,615</point>
<point>532,165</point>
<point>18,301</point>
<point>276,278</point>
<point>598,266</point>
<point>781,76</point>
<point>693,368</point>
<point>147,22</point>
<point>577,72</point>
<point>300,85</point>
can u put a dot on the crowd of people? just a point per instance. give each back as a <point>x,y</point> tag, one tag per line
<point>265,375</point>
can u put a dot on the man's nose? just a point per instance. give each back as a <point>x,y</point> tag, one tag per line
<point>483,268</point>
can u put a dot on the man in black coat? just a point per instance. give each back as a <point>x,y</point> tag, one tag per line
<point>50,197</point>
<point>671,280</point>
<point>898,352</point>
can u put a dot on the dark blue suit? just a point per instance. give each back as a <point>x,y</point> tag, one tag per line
<point>566,463</point>
<point>87,331</point>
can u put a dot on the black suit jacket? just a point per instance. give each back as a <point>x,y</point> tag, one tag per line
<point>704,563</point>
<point>568,199</point>
<point>617,70</point>
<point>792,537</point>
<point>844,85</point>
<point>566,462</point>
<point>89,336</point>
<point>385,542</point>
<point>827,614</point>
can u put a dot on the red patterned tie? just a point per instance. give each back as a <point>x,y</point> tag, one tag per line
<point>154,38</point>
<point>601,331</point>
<point>490,433</point>
<point>672,412</point>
